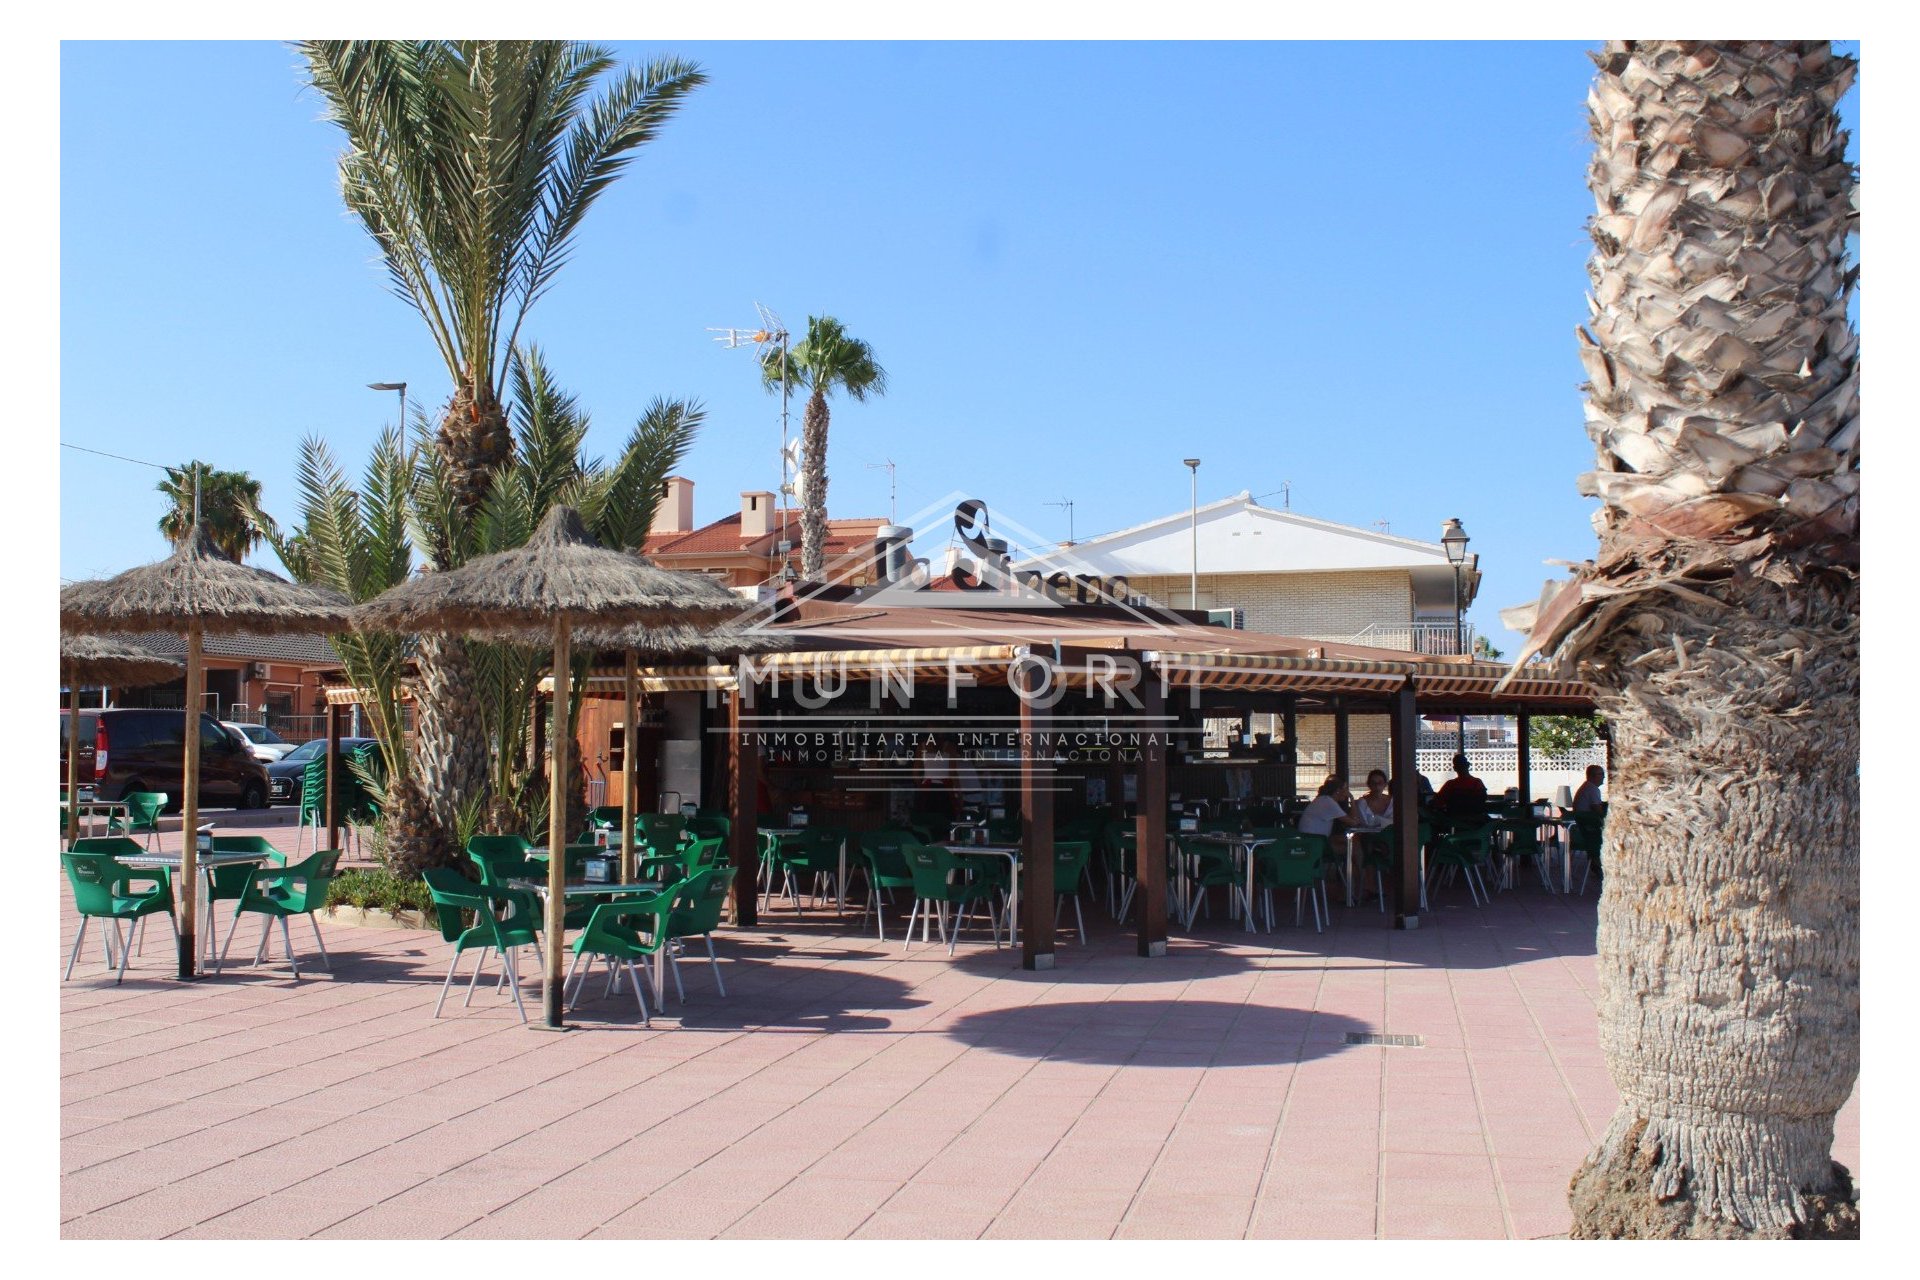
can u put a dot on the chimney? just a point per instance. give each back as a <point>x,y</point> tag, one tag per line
<point>756,514</point>
<point>675,513</point>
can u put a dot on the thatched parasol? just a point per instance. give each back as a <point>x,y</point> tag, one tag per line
<point>207,590</point>
<point>559,578</point>
<point>669,643</point>
<point>103,660</point>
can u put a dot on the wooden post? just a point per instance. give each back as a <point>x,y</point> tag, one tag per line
<point>73,761</point>
<point>1406,807</point>
<point>1523,730</point>
<point>743,812</point>
<point>1150,822</point>
<point>1342,758</point>
<point>332,807</point>
<point>629,758</point>
<point>189,887</point>
<point>1036,824</point>
<point>1290,731</point>
<point>557,784</point>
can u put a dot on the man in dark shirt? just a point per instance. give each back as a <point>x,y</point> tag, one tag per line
<point>1464,798</point>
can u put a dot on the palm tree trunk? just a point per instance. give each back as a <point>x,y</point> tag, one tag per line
<point>449,760</point>
<point>813,489</point>
<point>476,440</point>
<point>1720,623</point>
<point>1729,943</point>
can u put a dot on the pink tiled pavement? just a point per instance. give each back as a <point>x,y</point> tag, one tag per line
<point>850,1089</point>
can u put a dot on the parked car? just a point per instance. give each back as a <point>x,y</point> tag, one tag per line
<point>286,773</point>
<point>142,749</point>
<point>266,745</point>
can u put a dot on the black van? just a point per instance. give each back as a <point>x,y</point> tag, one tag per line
<point>137,749</point>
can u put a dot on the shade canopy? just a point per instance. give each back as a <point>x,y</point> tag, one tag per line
<point>678,641</point>
<point>109,660</point>
<point>561,572</point>
<point>199,583</point>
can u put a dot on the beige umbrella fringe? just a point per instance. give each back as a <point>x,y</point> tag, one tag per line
<point>560,572</point>
<point>106,660</point>
<point>199,583</point>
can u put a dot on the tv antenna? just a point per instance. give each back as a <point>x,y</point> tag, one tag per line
<point>770,343</point>
<point>1068,504</point>
<point>893,488</point>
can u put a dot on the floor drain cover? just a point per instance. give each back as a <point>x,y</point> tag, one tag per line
<point>1391,1042</point>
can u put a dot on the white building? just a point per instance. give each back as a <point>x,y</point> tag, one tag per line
<point>1293,575</point>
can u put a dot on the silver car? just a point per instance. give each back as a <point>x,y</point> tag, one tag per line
<point>267,746</point>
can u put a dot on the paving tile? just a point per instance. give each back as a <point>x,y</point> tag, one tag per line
<point>850,1090</point>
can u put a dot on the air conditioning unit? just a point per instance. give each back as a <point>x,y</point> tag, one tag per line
<point>1234,619</point>
<point>257,671</point>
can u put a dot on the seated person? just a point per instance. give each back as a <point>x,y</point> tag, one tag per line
<point>1328,811</point>
<point>1464,798</point>
<point>1587,799</point>
<point>1373,811</point>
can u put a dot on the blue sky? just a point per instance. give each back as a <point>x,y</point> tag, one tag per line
<point>1354,268</point>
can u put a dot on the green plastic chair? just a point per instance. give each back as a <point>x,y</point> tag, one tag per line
<point>1297,862</point>
<point>103,889</point>
<point>697,905</point>
<point>1467,851</point>
<point>279,893</point>
<point>1070,859</point>
<point>660,832</point>
<point>939,882</point>
<point>500,858</point>
<point>816,851</point>
<point>709,825</point>
<point>1212,867</point>
<point>613,933</point>
<point>143,815</point>
<point>1587,834</point>
<point>887,871</point>
<point>229,884</point>
<point>454,895</point>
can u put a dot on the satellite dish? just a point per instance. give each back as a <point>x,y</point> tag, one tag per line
<point>799,487</point>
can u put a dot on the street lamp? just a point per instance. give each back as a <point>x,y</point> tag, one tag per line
<point>1454,538</point>
<point>401,387</point>
<point>1193,579</point>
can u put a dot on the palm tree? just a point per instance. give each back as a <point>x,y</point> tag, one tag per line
<point>1720,622</point>
<point>355,541</point>
<point>824,361</point>
<point>229,507</point>
<point>471,164</point>
<point>617,503</point>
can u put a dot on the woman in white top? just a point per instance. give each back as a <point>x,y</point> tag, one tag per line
<point>1373,811</point>
<point>1328,808</point>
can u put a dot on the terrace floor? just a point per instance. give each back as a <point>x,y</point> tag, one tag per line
<point>851,1089</point>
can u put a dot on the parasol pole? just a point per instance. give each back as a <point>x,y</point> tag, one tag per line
<point>73,758</point>
<point>190,806</point>
<point>557,824</point>
<point>627,773</point>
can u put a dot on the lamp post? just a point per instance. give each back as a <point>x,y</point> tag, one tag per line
<point>1454,538</point>
<point>1193,578</point>
<point>401,387</point>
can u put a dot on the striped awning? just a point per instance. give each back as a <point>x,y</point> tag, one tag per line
<point>684,679</point>
<point>348,696</point>
<point>1261,672</point>
<point>1480,679</point>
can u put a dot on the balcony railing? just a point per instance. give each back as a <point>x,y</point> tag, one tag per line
<point>1434,638</point>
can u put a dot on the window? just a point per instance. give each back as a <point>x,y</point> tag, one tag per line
<point>617,749</point>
